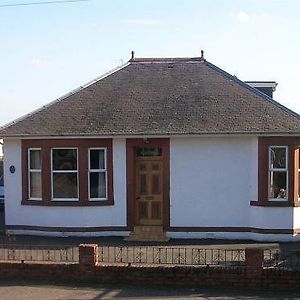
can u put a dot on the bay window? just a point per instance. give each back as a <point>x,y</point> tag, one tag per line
<point>67,172</point>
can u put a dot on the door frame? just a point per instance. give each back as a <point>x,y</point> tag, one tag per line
<point>131,146</point>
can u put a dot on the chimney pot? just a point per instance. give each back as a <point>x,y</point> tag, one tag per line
<point>202,54</point>
<point>132,55</point>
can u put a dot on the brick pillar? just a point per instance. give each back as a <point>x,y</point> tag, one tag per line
<point>254,258</point>
<point>88,256</point>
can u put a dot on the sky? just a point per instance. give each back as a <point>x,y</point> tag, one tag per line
<point>48,50</point>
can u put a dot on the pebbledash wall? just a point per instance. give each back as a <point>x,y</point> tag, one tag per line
<point>212,181</point>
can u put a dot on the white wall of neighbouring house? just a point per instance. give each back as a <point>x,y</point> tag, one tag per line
<point>55,216</point>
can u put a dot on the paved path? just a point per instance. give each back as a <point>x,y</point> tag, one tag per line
<point>119,241</point>
<point>37,291</point>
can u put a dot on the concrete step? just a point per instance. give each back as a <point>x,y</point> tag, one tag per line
<point>145,229</point>
<point>147,233</point>
<point>132,238</point>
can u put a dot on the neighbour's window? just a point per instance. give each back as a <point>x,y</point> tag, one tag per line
<point>278,172</point>
<point>35,174</point>
<point>97,174</point>
<point>65,174</point>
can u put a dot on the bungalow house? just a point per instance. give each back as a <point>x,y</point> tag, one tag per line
<point>158,148</point>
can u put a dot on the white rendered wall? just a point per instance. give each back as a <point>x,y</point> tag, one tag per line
<point>296,218</point>
<point>272,217</point>
<point>212,181</point>
<point>93,216</point>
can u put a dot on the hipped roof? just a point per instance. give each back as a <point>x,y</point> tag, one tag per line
<point>157,97</point>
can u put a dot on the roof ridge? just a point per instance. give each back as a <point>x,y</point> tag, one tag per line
<point>165,59</point>
<point>252,89</point>
<point>74,91</point>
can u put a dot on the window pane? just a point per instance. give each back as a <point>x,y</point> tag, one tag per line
<point>97,185</point>
<point>64,159</point>
<point>148,152</point>
<point>97,159</point>
<point>65,185</point>
<point>35,188</point>
<point>277,158</point>
<point>278,185</point>
<point>35,160</point>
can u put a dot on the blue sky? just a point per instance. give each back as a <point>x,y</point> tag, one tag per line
<point>48,50</point>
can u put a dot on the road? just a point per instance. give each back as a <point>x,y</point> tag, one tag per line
<point>16,290</point>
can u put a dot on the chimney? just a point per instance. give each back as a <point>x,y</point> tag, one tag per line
<point>266,87</point>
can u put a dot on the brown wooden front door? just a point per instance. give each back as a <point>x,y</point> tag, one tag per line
<point>149,190</point>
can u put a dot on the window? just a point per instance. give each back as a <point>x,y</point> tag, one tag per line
<point>97,174</point>
<point>278,173</point>
<point>65,174</point>
<point>34,174</point>
<point>148,152</point>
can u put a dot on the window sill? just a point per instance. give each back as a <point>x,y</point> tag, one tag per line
<point>95,200</point>
<point>109,202</point>
<point>275,204</point>
<point>65,200</point>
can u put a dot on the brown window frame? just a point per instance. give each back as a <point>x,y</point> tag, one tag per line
<point>83,146</point>
<point>292,144</point>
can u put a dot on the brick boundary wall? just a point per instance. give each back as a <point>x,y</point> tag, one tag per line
<point>252,276</point>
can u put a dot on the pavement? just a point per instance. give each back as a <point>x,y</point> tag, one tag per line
<point>26,290</point>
